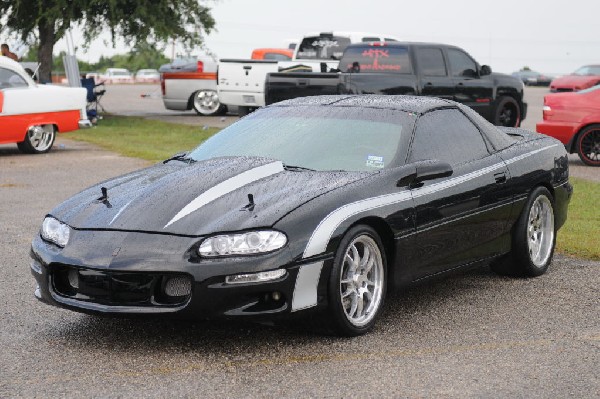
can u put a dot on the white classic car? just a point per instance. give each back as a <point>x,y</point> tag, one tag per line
<point>117,76</point>
<point>32,114</point>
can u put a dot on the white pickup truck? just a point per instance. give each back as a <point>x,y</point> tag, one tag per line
<point>242,82</point>
<point>190,83</point>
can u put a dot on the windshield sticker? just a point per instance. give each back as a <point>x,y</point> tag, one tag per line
<point>374,161</point>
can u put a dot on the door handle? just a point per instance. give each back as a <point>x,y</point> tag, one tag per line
<point>428,84</point>
<point>500,177</point>
<point>460,84</point>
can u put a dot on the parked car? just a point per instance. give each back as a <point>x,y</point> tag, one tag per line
<point>583,78</point>
<point>277,54</point>
<point>574,119</point>
<point>117,76</point>
<point>147,76</point>
<point>31,114</point>
<point>191,83</point>
<point>242,82</point>
<point>426,69</point>
<point>314,206</point>
<point>532,78</point>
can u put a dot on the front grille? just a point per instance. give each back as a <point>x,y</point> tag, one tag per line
<point>563,89</point>
<point>115,288</point>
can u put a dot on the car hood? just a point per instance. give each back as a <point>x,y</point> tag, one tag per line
<point>199,198</point>
<point>574,80</point>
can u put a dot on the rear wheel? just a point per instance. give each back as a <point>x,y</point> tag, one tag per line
<point>534,238</point>
<point>38,140</point>
<point>508,112</point>
<point>357,284</point>
<point>206,103</point>
<point>588,145</point>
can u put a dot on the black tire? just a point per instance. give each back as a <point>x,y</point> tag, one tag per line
<point>206,103</point>
<point>588,145</point>
<point>339,321</point>
<point>522,261</point>
<point>243,111</point>
<point>38,139</point>
<point>507,112</point>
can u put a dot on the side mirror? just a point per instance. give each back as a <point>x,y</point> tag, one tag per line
<point>425,170</point>
<point>485,70</point>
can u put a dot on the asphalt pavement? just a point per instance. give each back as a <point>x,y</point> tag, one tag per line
<point>474,334</point>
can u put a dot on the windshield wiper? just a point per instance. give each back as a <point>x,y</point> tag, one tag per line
<point>182,156</point>
<point>295,167</point>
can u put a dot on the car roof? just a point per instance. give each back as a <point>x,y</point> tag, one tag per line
<point>417,104</point>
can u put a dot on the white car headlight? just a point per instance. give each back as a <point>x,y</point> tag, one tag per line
<point>247,243</point>
<point>55,231</point>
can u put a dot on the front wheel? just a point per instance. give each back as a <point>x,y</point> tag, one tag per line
<point>38,139</point>
<point>206,103</point>
<point>588,145</point>
<point>534,238</point>
<point>507,113</point>
<point>357,284</point>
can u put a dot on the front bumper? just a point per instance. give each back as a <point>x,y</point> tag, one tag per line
<point>85,124</point>
<point>136,286</point>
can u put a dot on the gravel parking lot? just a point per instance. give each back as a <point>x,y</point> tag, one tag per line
<point>472,335</point>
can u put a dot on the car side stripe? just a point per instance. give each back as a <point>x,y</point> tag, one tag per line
<point>120,211</point>
<point>229,185</point>
<point>320,237</point>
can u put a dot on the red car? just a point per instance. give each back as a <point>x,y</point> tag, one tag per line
<point>583,78</point>
<point>574,119</point>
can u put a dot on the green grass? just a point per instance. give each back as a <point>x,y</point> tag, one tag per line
<point>580,236</point>
<point>155,140</point>
<point>142,138</point>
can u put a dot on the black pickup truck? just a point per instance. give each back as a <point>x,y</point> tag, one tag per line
<point>425,69</point>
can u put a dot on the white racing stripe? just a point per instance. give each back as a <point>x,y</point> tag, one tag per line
<point>305,290</point>
<point>229,185</point>
<point>120,211</point>
<point>319,239</point>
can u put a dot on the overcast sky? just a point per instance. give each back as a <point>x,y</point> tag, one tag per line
<point>551,36</point>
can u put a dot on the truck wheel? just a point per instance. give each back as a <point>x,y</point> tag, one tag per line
<point>206,103</point>
<point>588,145</point>
<point>507,113</point>
<point>38,140</point>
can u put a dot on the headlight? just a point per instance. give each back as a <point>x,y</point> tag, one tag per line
<point>55,231</point>
<point>248,243</point>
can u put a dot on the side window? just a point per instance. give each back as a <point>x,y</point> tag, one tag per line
<point>461,64</point>
<point>10,79</point>
<point>449,136</point>
<point>431,61</point>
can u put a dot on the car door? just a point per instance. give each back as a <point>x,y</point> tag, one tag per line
<point>469,88</point>
<point>433,73</point>
<point>461,218</point>
<point>10,121</point>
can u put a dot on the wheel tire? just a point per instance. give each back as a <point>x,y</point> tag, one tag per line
<point>38,139</point>
<point>588,145</point>
<point>507,112</point>
<point>206,103</point>
<point>533,240</point>
<point>348,290</point>
<point>243,111</point>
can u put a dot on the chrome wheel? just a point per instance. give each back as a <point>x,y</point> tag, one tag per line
<point>540,231</point>
<point>206,102</point>
<point>41,137</point>
<point>361,280</point>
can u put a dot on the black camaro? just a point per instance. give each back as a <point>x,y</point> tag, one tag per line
<point>312,206</point>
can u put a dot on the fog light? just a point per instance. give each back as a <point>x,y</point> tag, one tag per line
<point>255,277</point>
<point>73,278</point>
<point>178,286</point>
<point>276,295</point>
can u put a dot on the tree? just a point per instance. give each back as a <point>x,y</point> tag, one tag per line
<point>137,21</point>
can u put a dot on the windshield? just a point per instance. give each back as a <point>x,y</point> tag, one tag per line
<point>314,137</point>
<point>376,59</point>
<point>590,89</point>
<point>588,70</point>
<point>322,47</point>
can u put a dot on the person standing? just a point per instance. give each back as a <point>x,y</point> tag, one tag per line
<point>7,53</point>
